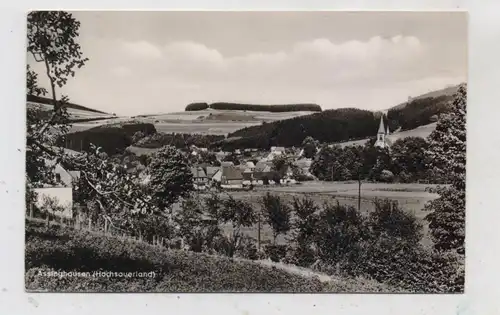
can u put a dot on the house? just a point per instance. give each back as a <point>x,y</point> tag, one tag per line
<point>55,198</point>
<point>211,170</point>
<point>250,165</point>
<point>263,171</point>
<point>200,178</point>
<point>214,173</point>
<point>275,151</point>
<point>217,176</point>
<point>231,176</point>
<point>226,164</point>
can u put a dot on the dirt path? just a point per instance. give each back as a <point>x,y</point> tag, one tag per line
<point>300,271</point>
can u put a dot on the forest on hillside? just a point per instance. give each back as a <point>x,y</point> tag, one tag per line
<point>418,112</point>
<point>337,125</point>
<point>328,126</point>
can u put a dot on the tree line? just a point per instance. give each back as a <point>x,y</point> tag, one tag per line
<point>407,161</point>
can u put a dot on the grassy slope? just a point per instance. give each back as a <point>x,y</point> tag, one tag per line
<point>48,101</point>
<point>62,249</point>
<point>449,91</point>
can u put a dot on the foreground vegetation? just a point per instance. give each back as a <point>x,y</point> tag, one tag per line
<point>62,249</point>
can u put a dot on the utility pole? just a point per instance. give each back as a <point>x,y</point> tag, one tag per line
<point>258,232</point>
<point>359,193</point>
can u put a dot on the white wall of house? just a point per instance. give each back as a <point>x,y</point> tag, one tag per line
<point>64,196</point>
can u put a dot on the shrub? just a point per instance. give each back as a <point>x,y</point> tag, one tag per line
<point>339,231</point>
<point>276,252</point>
<point>247,248</point>
<point>407,266</point>
<point>388,218</point>
<point>386,176</point>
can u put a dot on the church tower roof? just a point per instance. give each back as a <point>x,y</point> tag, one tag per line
<point>381,128</point>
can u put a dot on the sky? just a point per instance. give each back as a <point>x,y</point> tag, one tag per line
<point>158,62</point>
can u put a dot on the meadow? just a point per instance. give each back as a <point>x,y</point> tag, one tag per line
<point>214,122</point>
<point>411,197</point>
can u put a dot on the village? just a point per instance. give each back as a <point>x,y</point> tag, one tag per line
<point>238,193</point>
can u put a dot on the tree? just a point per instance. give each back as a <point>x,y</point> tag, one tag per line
<point>108,190</point>
<point>277,214</point>
<point>170,177</point>
<point>232,157</point>
<point>190,227</point>
<point>409,156</point>
<point>327,163</point>
<point>339,233</point>
<point>280,165</point>
<point>137,136</point>
<point>447,157</point>
<point>239,214</point>
<point>306,220</point>
<point>51,37</point>
<point>310,147</point>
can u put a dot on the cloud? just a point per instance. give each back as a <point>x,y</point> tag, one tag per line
<point>141,49</point>
<point>372,74</point>
<point>319,62</point>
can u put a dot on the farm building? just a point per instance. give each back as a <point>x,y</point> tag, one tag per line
<point>231,176</point>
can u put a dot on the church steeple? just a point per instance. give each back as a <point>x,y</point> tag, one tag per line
<point>382,132</point>
<point>381,128</point>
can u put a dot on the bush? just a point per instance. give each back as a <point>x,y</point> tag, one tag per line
<point>386,176</point>
<point>407,266</point>
<point>389,219</point>
<point>276,252</point>
<point>338,234</point>
<point>247,249</point>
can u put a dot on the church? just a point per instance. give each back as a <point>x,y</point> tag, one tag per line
<point>382,139</point>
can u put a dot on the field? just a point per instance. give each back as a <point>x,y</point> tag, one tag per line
<point>214,122</point>
<point>73,113</point>
<point>411,197</point>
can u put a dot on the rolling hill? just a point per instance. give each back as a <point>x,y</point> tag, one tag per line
<point>48,101</point>
<point>344,125</point>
